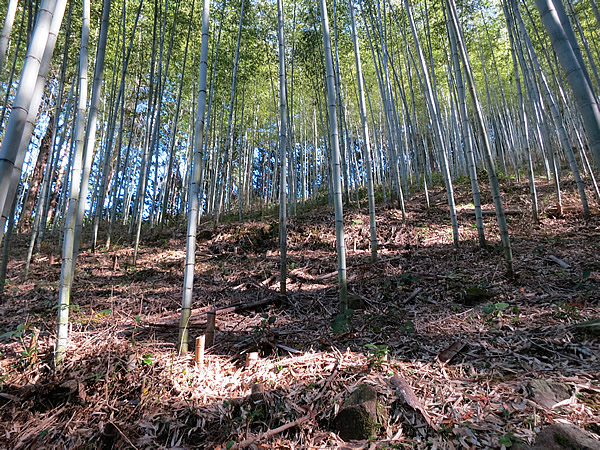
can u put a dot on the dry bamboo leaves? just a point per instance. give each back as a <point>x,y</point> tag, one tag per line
<point>451,351</point>
<point>407,396</point>
<point>476,393</point>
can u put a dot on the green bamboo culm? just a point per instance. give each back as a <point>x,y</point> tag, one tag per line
<point>282,153</point>
<point>487,151</point>
<point>335,163</point>
<point>194,203</point>
<point>68,257</point>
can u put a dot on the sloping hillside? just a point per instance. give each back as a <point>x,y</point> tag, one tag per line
<point>473,346</point>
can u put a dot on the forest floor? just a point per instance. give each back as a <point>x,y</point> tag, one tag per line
<point>470,342</point>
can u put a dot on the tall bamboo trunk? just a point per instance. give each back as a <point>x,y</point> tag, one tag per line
<point>6,29</point>
<point>226,184</point>
<point>26,102</point>
<point>173,136</point>
<point>467,136</point>
<point>140,198</point>
<point>90,132</point>
<point>194,204</point>
<point>36,180</point>
<point>487,153</point>
<point>66,275</point>
<point>582,91</point>
<point>434,113</point>
<point>522,110</point>
<point>335,161</point>
<point>365,135</point>
<point>19,42</point>
<point>282,152</point>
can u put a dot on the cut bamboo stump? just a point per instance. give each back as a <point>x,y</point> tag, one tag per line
<point>211,317</point>
<point>251,359</point>
<point>199,355</point>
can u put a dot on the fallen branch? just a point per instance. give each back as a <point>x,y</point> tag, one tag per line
<point>328,381</point>
<point>385,260</point>
<point>245,306</point>
<point>174,317</point>
<point>207,309</point>
<point>291,350</point>
<point>270,433</point>
<point>450,352</point>
<point>559,261</point>
<point>489,212</point>
<point>268,281</point>
<point>123,434</point>
<point>324,277</point>
<point>413,295</point>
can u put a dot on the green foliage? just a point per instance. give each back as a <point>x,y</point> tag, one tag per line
<point>408,279</point>
<point>407,327</point>
<point>103,313</point>
<point>17,333</point>
<point>477,293</point>
<point>508,440</point>
<point>516,312</point>
<point>264,324</point>
<point>377,355</point>
<point>29,350</point>
<point>341,322</point>
<point>494,308</point>
<point>564,311</point>
<point>400,281</point>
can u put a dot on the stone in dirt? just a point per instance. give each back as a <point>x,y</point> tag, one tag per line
<point>561,437</point>
<point>549,393</point>
<point>360,416</point>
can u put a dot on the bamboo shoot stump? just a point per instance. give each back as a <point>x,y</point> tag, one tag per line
<point>251,359</point>
<point>199,354</point>
<point>211,318</point>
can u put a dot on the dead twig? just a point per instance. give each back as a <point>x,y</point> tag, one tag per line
<point>559,261</point>
<point>270,433</point>
<point>413,295</point>
<point>123,434</point>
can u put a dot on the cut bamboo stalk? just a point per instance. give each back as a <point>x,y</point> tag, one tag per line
<point>559,261</point>
<point>199,355</point>
<point>211,317</point>
<point>251,359</point>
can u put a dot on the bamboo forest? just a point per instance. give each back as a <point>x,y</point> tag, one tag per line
<point>300,224</point>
